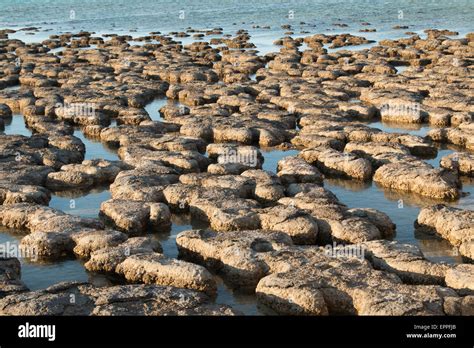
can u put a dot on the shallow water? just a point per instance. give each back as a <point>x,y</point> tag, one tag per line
<point>41,275</point>
<point>96,149</point>
<point>16,125</point>
<point>154,107</point>
<point>271,158</point>
<point>318,16</point>
<point>413,129</point>
<point>80,203</point>
<point>119,16</point>
<point>402,208</point>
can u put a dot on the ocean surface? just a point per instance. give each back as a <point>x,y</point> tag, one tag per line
<point>306,17</point>
<point>314,16</point>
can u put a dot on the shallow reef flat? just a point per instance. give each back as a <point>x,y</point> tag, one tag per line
<point>191,130</point>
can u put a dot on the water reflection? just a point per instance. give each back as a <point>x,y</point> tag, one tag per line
<point>84,204</point>
<point>16,125</point>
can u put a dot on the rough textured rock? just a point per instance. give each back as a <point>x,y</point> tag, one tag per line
<point>225,214</point>
<point>418,178</point>
<point>82,176</point>
<point>460,162</point>
<point>293,170</point>
<point>158,269</point>
<point>381,220</point>
<point>10,276</point>
<point>299,225</point>
<point>87,242</point>
<point>107,259</point>
<point>335,163</point>
<point>141,185</point>
<point>406,261</point>
<point>461,278</point>
<point>10,194</point>
<point>115,300</point>
<point>452,224</point>
<point>135,217</point>
<point>341,285</point>
<point>235,255</point>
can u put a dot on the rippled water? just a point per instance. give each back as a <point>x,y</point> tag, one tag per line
<point>121,16</point>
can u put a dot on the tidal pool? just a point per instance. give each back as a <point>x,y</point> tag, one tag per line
<point>16,125</point>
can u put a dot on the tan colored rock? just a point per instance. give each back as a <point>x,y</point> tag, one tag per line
<point>10,194</point>
<point>299,225</point>
<point>461,278</point>
<point>335,163</point>
<point>459,161</point>
<point>235,255</point>
<point>141,185</point>
<point>418,178</point>
<point>226,215</point>
<point>406,261</point>
<point>155,268</point>
<point>10,276</point>
<point>344,286</point>
<point>106,259</point>
<point>117,300</point>
<point>294,170</point>
<point>89,241</point>
<point>381,220</point>
<point>452,224</point>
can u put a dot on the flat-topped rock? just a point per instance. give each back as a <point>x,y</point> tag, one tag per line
<point>346,286</point>
<point>406,261</point>
<point>452,224</point>
<point>106,259</point>
<point>10,194</point>
<point>293,170</point>
<point>418,178</point>
<point>154,268</point>
<point>461,278</point>
<point>235,255</point>
<point>85,175</point>
<point>335,163</point>
<point>116,300</point>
